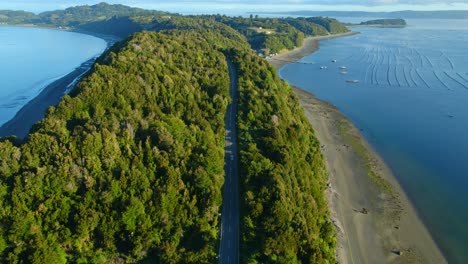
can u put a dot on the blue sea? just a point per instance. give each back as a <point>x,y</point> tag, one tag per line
<point>32,58</point>
<point>411,102</point>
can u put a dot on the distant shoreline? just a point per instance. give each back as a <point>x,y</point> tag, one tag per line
<point>35,109</point>
<point>51,95</point>
<point>309,46</point>
<point>374,219</point>
<point>109,39</point>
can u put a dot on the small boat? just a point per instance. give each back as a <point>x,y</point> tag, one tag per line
<point>352,81</point>
<point>344,72</point>
<point>343,67</point>
<point>334,61</point>
<point>323,67</point>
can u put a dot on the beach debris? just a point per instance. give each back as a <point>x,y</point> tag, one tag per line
<point>362,211</point>
<point>352,81</point>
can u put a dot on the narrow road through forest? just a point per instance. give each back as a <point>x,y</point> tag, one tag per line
<point>229,245</point>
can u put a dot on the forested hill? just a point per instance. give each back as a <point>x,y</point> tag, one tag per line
<point>129,167</point>
<point>79,15</point>
<point>284,212</point>
<point>75,16</point>
<point>266,35</point>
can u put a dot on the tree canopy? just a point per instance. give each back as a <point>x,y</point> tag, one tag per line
<point>265,35</point>
<point>284,212</point>
<point>129,166</point>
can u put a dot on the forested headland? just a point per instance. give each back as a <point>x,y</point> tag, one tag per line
<point>265,35</point>
<point>284,212</point>
<point>129,166</point>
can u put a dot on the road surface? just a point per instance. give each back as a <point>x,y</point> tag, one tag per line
<point>229,245</point>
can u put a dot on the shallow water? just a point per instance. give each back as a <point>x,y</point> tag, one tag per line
<point>32,58</point>
<point>411,103</point>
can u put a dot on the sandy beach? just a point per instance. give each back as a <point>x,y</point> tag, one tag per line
<point>310,45</point>
<point>35,109</point>
<point>374,219</point>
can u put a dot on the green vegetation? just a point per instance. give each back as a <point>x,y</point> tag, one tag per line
<point>273,35</point>
<point>17,17</point>
<point>330,24</point>
<point>80,15</point>
<point>266,35</point>
<point>346,130</point>
<point>284,212</point>
<point>385,22</point>
<point>309,28</point>
<point>129,166</point>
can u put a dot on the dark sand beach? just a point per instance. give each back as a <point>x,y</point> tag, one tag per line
<point>374,219</point>
<point>35,109</point>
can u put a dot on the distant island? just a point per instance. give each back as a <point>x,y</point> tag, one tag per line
<point>394,22</point>
<point>445,14</point>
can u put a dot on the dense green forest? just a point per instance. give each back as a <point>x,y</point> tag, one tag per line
<point>129,166</point>
<point>75,16</point>
<point>17,17</point>
<point>282,173</point>
<point>385,22</point>
<point>266,35</point>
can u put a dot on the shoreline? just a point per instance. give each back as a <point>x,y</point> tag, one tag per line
<point>309,46</point>
<point>35,110</point>
<point>374,219</point>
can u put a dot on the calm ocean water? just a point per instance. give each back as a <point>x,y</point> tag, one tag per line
<point>32,58</point>
<point>411,103</point>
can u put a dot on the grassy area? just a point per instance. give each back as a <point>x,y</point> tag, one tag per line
<point>345,129</point>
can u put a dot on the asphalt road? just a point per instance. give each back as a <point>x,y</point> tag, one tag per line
<point>229,245</point>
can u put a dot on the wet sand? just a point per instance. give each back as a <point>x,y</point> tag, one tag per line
<point>310,45</point>
<point>35,109</point>
<point>374,219</point>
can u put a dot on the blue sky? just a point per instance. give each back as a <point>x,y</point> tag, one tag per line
<point>238,6</point>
